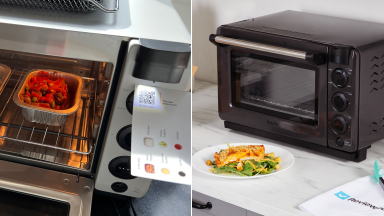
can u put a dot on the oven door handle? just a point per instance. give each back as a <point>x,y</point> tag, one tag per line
<point>201,206</point>
<point>107,10</point>
<point>312,58</point>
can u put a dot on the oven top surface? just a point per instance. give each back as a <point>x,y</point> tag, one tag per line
<point>317,28</point>
<point>150,19</point>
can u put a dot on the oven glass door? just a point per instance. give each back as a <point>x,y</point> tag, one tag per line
<point>274,86</point>
<point>15,203</point>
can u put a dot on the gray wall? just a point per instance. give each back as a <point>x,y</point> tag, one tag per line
<point>207,15</point>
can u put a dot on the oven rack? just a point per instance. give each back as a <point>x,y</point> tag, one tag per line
<point>254,98</point>
<point>45,134</point>
<point>81,6</point>
<point>72,138</point>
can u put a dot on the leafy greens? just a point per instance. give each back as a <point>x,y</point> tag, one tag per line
<point>250,167</point>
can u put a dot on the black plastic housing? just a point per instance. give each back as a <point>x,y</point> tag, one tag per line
<point>160,65</point>
<point>340,54</point>
<point>355,47</point>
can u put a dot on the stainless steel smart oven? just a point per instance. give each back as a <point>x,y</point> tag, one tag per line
<point>57,168</point>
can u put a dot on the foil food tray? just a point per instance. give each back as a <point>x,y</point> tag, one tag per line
<point>46,115</point>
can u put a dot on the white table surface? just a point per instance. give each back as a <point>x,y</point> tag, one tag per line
<point>312,174</point>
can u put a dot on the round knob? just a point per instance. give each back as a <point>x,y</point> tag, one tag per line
<point>339,78</point>
<point>124,137</point>
<point>339,101</point>
<point>120,167</point>
<point>339,141</point>
<point>339,125</point>
<point>129,102</point>
<point>119,187</point>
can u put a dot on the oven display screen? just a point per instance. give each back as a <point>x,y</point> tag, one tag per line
<point>274,86</point>
<point>15,204</point>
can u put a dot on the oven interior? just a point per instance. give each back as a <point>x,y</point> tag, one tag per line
<point>72,144</point>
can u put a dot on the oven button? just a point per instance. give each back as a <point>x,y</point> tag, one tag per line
<point>129,102</point>
<point>339,141</point>
<point>119,187</point>
<point>120,167</point>
<point>123,169</point>
<point>339,78</point>
<point>339,101</point>
<point>339,125</point>
<point>124,137</point>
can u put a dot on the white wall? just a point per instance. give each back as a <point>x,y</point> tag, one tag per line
<point>183,7</point>
<point>207,15</point>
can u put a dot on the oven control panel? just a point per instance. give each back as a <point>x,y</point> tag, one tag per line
<point>114,169</point>
<point>342,90</point>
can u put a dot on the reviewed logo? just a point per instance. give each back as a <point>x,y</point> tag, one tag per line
<point>345,196</point>
<point>342,195</point>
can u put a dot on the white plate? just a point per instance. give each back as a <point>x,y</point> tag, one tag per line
<point>200,158</point>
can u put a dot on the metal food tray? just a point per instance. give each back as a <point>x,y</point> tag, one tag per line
<point>46,115</point>
<point>5,71</point>
<point>84,6</point>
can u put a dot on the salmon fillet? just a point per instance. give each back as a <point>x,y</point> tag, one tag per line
<point>239,153</point>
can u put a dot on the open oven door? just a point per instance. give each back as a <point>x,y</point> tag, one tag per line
<point>26,190</point>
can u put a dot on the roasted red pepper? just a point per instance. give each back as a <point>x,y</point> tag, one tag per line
<point>48,93</point>
<point>48,98</point>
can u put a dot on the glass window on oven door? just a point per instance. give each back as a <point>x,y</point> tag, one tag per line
<point>274,86</point>
<point>14,203</point>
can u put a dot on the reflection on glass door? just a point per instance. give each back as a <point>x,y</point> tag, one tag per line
<point>273,86</point>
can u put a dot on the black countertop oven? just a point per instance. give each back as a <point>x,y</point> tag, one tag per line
<point>310,80</point>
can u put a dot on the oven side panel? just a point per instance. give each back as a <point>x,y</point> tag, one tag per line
<point>313,134</point>
<point>371,114</point>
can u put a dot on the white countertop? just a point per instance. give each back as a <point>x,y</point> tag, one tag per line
<point>312,174</point>
<point>150,19</point>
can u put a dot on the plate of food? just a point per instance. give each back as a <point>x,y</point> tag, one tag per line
<point>242,160</point>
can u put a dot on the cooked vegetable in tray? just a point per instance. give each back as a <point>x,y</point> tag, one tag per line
<point>43,92</point>
<point>244,160</point>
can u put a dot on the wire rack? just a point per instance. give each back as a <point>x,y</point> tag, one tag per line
<point>65,5</point>
<point>70,144</point>
<point>82,6</point>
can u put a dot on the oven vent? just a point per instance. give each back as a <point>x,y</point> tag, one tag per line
<point>376,127</point>
<point>374,89</point>
<point>375,74</point>
<point>374,66</point>
<point>375,84</point>
<point>373,132</point>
